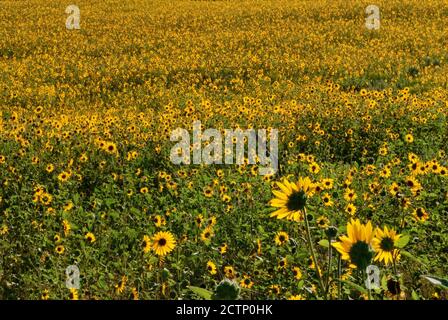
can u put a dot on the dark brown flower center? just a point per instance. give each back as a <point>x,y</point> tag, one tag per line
<point>296,201</point>
<point>387,244</point>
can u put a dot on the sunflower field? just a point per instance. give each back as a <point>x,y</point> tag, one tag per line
<point>358,208</point>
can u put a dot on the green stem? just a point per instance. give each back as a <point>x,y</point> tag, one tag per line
<point>329,267</point>
<point>339,277</point>
<point>394,266</point>
<point>313,255</point>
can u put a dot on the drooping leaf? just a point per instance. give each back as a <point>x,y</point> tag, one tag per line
<point>201,292</point>
<point>354,286</point>
<point>437,281</point>
<point>410,256</point>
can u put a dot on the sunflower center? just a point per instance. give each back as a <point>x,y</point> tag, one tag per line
<point>162,242</point>
<point>360,254</point>
<point>419,212</point>
<point>387,244</point>
<point>282,238</point>
<point>296,201</point>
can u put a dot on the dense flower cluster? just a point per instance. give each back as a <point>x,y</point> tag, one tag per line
<point>85,121</point>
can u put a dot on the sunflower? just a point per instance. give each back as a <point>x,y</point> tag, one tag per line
<point>211,221</point>
<point>163,243</point>
<point>350,195</point>
<point>134,293</point>
<point>49,168</point>
<point>420,214</point>
<point>66,226</point>
<point>46,199</point>
<point>350,209</point>
<point>314,167</point>
<point>296,297</point>
<point>327,183</point>
<point>291,199</point>
<point>110,147</point>
<point>207,234</point>
<point>323,222</point>
<point>394,188</point>
<point>326,199</point>
<point>356,246</point>
<point>159,221</point>
<point>246,282</point>
<point>146,244</point>
<point>275,289</point>
<point>297,273</point>
<point>121,284</point>
<point>199,219</point>
<point>229,271</point>
<point>283,263</point>
<point>384,245</point>
<point>208,192</point>
<point>45,295</point>
<point>90,237</point>
<point>413,184</point>
<point>144,190</point>
<point>409,138</point>
<point>211,267</point>
<point>223,248</point>
<point>73,294</point>
<point>226,198</point>
<point>60,249</point>
<point>68,206</point>
<point>385,173</point>
<point>281,238</point>
<point>63,176</point>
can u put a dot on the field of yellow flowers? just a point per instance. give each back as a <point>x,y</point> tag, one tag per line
<point>357,210</point>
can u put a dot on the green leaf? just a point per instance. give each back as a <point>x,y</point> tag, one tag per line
<point>203,293</point>
<point>354,286</point>
<point>410,256</point>
<point>324,243</point>
<point>403,241</point>
<point>415,295</point>
<point>437,281</point>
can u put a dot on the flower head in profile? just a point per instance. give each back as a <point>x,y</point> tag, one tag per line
<point>356,245</point>
<point>291,199</point>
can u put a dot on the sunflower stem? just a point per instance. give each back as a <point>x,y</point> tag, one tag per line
<point>339,277</point>
<point>327,282</point>
<point>394,265</point>
<point>313,255</point>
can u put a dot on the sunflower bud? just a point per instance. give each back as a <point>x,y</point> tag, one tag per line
<point>226,290</point>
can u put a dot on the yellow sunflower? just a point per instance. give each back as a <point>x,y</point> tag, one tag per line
<point>356,246</point>
<point>384,245</point>
<point>163,243</point>
<point>281,238</point>
<point>211,267</point>
<point>291,199</point>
